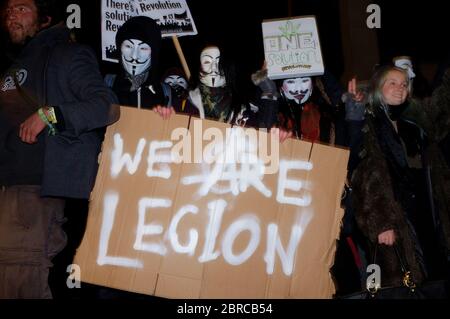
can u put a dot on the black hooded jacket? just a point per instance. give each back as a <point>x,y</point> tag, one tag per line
<point>53,71</point>
<point>151,91</point>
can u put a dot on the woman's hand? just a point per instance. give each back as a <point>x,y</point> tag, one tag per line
<point>387,237</point>
<point>163,111</point>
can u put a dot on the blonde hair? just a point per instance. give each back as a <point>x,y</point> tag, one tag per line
<point>379,79</point>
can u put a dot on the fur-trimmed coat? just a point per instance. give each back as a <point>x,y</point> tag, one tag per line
<point>378,200</point>
<point>381,186</point>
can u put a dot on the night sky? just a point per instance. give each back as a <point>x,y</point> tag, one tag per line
<point>408,28</point>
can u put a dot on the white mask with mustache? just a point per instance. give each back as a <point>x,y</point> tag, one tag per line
<point>176,82</point>
<point>210,73</point>
<point>136,56</point>
<point>297,89</point>
<point>405,64</point>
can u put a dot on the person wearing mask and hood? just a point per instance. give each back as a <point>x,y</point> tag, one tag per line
<point>138,41</point>
<point>213,92</point>
<point>297,105</point>
<point>176,79</point>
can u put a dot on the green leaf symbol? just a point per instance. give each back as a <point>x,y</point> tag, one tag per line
<point>289,29</point>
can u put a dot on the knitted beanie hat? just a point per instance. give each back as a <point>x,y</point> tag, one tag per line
<point>144,29</point>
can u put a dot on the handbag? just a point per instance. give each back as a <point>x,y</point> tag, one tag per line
<point>428,290</point>
<point>438,289</point>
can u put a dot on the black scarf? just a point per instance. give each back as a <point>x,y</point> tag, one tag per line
<point>395,155</point>
<point>403,181</point>
<point>396,111</point>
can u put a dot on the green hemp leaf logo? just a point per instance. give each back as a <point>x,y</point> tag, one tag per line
<point>289,29</point>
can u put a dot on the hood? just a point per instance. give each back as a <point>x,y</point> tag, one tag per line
<point>144,29</point>
<point>56,34</point>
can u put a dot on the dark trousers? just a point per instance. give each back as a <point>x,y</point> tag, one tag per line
<point>30,236</point>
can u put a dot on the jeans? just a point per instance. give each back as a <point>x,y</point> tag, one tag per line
<point>31,235</point>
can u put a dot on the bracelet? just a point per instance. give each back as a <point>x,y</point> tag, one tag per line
<point>52,130</point>
<point>51,115</point>
<point>43,117</point>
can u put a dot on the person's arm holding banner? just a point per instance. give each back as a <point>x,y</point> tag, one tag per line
<point>268,104</point>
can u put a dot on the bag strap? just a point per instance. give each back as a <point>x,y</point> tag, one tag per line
<point>27,97</point>
<point>407,278</point>
<point>167,94</point>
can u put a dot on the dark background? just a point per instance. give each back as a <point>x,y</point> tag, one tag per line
<point>417,29</point>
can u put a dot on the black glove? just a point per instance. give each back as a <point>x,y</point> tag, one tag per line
<point>267,86</point>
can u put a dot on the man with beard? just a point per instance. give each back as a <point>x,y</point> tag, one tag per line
<point>53,107</point>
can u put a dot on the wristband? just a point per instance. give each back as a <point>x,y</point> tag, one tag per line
<point>52,130</point>
<point>51,115</point>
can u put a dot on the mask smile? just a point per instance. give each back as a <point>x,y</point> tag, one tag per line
<point>297,89</point>
<point>299,96</point>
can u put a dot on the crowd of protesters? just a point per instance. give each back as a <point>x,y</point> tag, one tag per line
<point>55,105</point>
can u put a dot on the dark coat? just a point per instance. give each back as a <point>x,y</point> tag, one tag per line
<point>245,114</point>
<point>433,115</point>
<point>383,193</point>
<point>152,93</point>
<point>73,84</point>
<point>378,199</point>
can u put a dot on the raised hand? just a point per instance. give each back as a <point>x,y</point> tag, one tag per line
<point>357,95</point>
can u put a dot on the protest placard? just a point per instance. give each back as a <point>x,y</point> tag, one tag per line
<point>187,208</point>
<point>292,47</point>
<point>173,17</point>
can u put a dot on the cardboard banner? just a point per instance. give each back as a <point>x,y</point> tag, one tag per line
<point>292,47</point>
<point>173,17</point>
<point>185,208</point>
